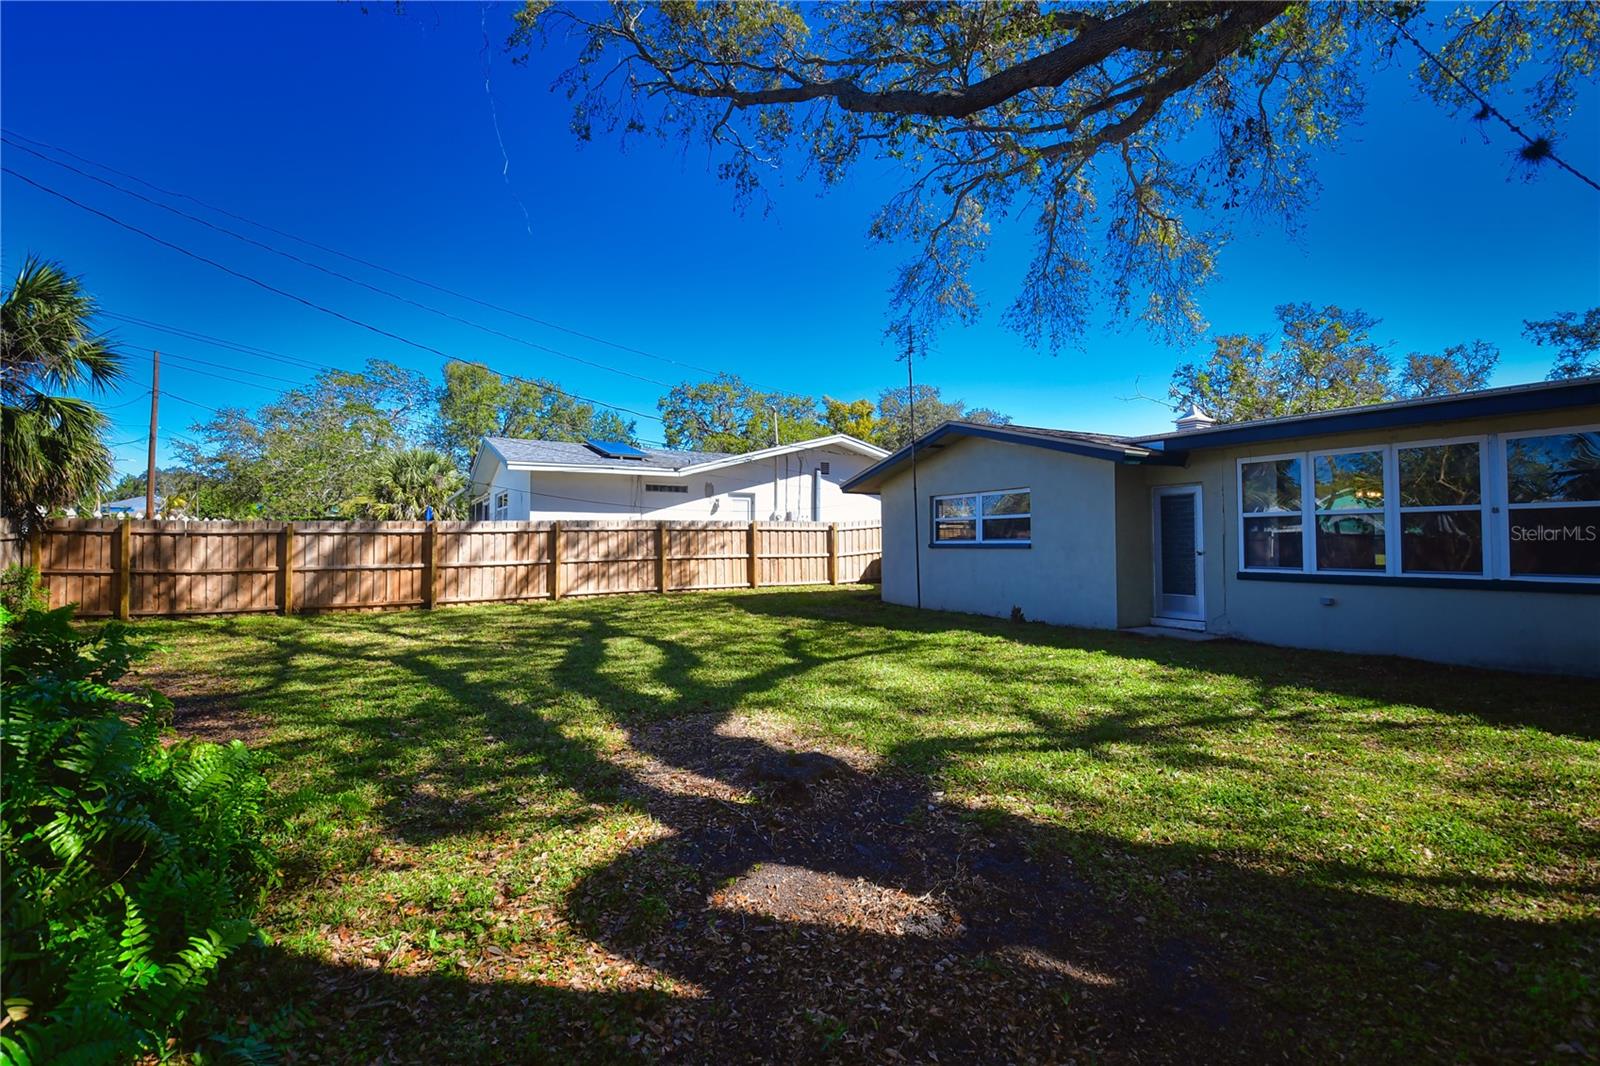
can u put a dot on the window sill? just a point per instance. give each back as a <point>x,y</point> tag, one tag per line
<point>982,546</point>
<point>1481,584</point>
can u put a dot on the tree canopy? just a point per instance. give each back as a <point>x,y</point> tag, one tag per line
<point>313,449</point>
<point>1320,359</point>
<point>1576,339</point>
<point>53,445</point>
<point>896,428</point>
<point>1130,135</point>
<point>477,402</point>
<point>726,414</point>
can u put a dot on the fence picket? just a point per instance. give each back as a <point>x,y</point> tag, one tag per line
<point>173,568</point>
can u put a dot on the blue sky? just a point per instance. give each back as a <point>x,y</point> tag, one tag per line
<point>372,132</point>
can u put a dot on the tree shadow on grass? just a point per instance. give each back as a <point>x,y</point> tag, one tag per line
<point>860,916</point>
<point>1551,703</point>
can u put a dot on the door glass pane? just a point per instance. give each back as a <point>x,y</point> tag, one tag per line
<point>1442,542</point>
<point>1555,541</point>
<point>1350,542</point>
<point>1272,543</point>
<point>1177,545</point>
<point>1352,481</point>
<point>1007,528</point>
<point>1564,466</point>
<point>1439,475</point>
<point>1272,486</point>
<point>955,507</point>
<point>1006,503</point>
<point>967,530</point>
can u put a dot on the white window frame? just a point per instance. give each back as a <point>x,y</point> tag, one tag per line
<point>1308,551</point>
<point>1484,507</point>
<point>1494,507</point>
<point>502,504</point>
<point>1305,492</point>
<point>978,518</point>
<point>1505,506</point>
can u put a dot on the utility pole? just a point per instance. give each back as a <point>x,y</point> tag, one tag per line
<point>150,472</point>
<point>916,500</point>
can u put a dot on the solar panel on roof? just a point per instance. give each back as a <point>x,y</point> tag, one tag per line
<point>615,449</point>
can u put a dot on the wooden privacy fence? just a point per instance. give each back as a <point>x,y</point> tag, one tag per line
<point>131,568</point>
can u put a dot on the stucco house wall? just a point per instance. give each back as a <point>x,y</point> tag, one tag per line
<point>1555,630</point>
<point>741,492</point>
<point>1091,559</point>
<point>1067,576</point>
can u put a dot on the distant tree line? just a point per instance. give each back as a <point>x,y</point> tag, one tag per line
<point>386,441</point>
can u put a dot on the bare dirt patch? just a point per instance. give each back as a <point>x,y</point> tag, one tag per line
<point>824,904</point>
<point>201,710</point>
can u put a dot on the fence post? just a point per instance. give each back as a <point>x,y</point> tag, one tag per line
<point>286,569</point>
<point>122,545</point>
<point>36,547</point>
<point>430,568</point>
<point>833,553</point>
<point>755,559</point>
<point>661,557</point>
<point>555,560</point>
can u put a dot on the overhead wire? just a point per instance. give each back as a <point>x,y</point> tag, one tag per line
<point>269,287</point>
<point>267,353</point>
<point>423,282</point>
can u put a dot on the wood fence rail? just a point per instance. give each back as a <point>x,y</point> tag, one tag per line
<point>140,568</point>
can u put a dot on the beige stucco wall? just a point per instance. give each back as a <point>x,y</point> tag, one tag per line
<point>1557,630</point>
<point>1068,576</point>
<point>1091,563</point>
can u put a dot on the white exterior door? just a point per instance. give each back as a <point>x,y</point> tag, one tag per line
<point>742,506</point>
<point>1179,552</point>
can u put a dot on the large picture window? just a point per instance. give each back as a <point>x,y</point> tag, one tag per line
<point>1349,511</point>
<point>1519,505</point>
<point>1273,523</point>
<point>1441,508</point>
<point>1553,512</point>
<point>1001,517</point>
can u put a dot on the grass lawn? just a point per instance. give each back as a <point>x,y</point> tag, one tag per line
<point>571,832</point>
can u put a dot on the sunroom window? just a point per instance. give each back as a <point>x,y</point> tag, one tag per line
<point>984,518</point>
<point>1553,492</point>
<point>1271,491</point>
<point>1441,508</point>
<point>1349,511</point>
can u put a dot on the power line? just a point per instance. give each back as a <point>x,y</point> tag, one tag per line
<point>354,258</point>
<point>380,331</point>
<point>339,274</point>
<point>267,353</point>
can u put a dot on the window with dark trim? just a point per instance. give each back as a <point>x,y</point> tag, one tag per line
<point>1003,516</point>
<point>1553,504</point>
<point>1509,506</point>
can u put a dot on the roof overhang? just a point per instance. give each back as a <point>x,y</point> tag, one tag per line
<point>632,468</point>
<point>1516,399</point>
<point>872,478</point>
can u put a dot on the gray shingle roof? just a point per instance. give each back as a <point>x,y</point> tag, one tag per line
<point>573,453</point>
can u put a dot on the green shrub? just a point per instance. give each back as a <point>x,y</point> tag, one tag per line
<point>130,870</point>
<point>20,591</point>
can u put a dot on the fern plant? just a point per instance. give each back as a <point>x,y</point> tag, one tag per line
<point>130,870</point>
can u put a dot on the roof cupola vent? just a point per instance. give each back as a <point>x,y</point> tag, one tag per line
<point>1195,418</point>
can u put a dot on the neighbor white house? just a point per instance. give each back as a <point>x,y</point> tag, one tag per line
<point>515,478</point>
<point>1462,529</point>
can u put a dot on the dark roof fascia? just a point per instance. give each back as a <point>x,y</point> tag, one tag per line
<point>1460,408</point>
<point>1134,453</point>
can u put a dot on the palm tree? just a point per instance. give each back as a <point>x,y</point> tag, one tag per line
<point>51,446</point>
<point>411,481</point>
